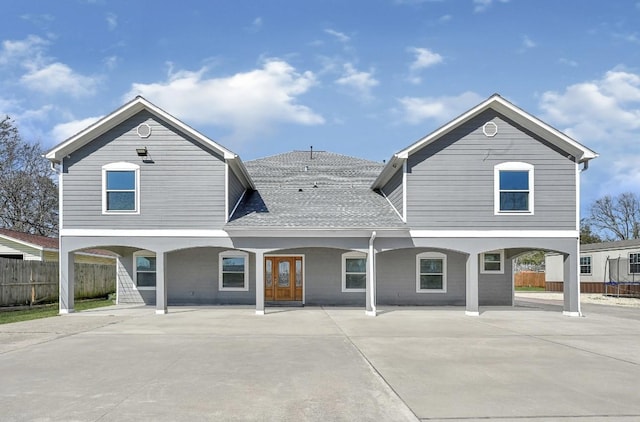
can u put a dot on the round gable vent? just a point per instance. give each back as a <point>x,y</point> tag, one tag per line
<point>143,130</point>
<point>490,129</point>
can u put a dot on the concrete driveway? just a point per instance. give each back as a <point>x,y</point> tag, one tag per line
<point>296,364</point>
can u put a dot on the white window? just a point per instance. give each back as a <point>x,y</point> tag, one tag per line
<point>634,263</point>
<point>513,188</point>
<point>492,262</point>
<point>585,265</point>
<point>431,272</point>
<point>121,188</point>
<point>145,270</point>
<point>354,272</point>
<point>234,271</point>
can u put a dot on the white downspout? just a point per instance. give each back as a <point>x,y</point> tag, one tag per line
<point>372,269</point>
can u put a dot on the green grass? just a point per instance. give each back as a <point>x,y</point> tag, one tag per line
<point>529,289</point>
<point>46,311</point>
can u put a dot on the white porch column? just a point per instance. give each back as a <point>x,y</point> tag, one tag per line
<point>259,282</point>
<point>371,279</point>
<point>119,268</point>
<point>472,285</point>
<point>161,283</point>
<point>571,284</point>
<point>67,280</point>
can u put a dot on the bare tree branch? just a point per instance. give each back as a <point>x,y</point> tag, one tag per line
<point>28,193</point>
<point>619,216</point>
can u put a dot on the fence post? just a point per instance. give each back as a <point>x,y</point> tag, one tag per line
<point>33,286</point>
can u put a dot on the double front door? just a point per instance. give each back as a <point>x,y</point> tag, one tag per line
<point>283,278</point>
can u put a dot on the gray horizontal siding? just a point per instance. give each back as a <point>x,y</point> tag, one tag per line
<point>496,289</point>
<point>127,292</point>
<point>450,183</point>
<point>394,191</point>
<point>193,278</point>
<point>396,279</point>
<point>236,189</point>
<point>182,189</point>
<point>323,277</point>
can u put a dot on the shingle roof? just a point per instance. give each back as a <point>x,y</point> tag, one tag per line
<point>45,242</point>
<point>33,239</point>
<point>617,244</point>
<point>329,190</point>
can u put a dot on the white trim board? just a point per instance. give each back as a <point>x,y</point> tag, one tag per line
<point>322,233</point>
<point>142,233</point>
<point>25,243</point>
<point>573,234</point>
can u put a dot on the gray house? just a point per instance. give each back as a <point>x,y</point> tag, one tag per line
<point>438,224</point>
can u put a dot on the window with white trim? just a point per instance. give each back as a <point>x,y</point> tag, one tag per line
<point>121,188</point>
<point>513,188</point>
<point>634,263</point>
<point>233,271</point>
<point>145,270</point>
<point>354,272</point>
<point>492,262</point>
<point>431,272</point>
<point>585,265</point>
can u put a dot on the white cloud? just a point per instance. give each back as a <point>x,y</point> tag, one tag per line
<point>27,52</point>
<point>416,1</point>
<point>42,73</point>
<point>255,26</point>
<point>40,20</point>
<point>247,103</point>
<point>39,114</point>
<point>482,5</point>
<point>63,131</point>
<point>360,82</point>
<point>7,106</point>
<point>59,78</point>
<point>603,114</point>
<point>112,21</point>
<point>415,110</point>
<point>611,103</point>
<point>340,36</point>
<point>424,58</point>
<point>111,62</point>
<point>527,42</point>
<point>568,62</point>
<point>445,18</point>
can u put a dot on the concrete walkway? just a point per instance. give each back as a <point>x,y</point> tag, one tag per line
<point>323,364</point>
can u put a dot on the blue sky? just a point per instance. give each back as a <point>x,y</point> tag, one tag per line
<point>363,78</point>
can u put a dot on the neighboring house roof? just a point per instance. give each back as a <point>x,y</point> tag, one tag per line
<point>129,110</point>
<point>504,107</point>
<point>44,243</point>
<point>323,190</point>
<point>606,246</point>
<point>32,240</point>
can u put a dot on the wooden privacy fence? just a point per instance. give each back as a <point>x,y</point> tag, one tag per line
<point>529,279</point>
<point>29,282</point>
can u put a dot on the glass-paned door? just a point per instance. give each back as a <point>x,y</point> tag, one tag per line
<point>283,278</point>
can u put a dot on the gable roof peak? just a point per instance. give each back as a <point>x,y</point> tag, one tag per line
<point>121,114</point>
<point>127,111</point>
<point>499,104</point>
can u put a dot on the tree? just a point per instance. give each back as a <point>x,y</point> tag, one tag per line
<point>586,235</point>
<point>28,194</point>
<point>533,258</point>
<point>619,216</point>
